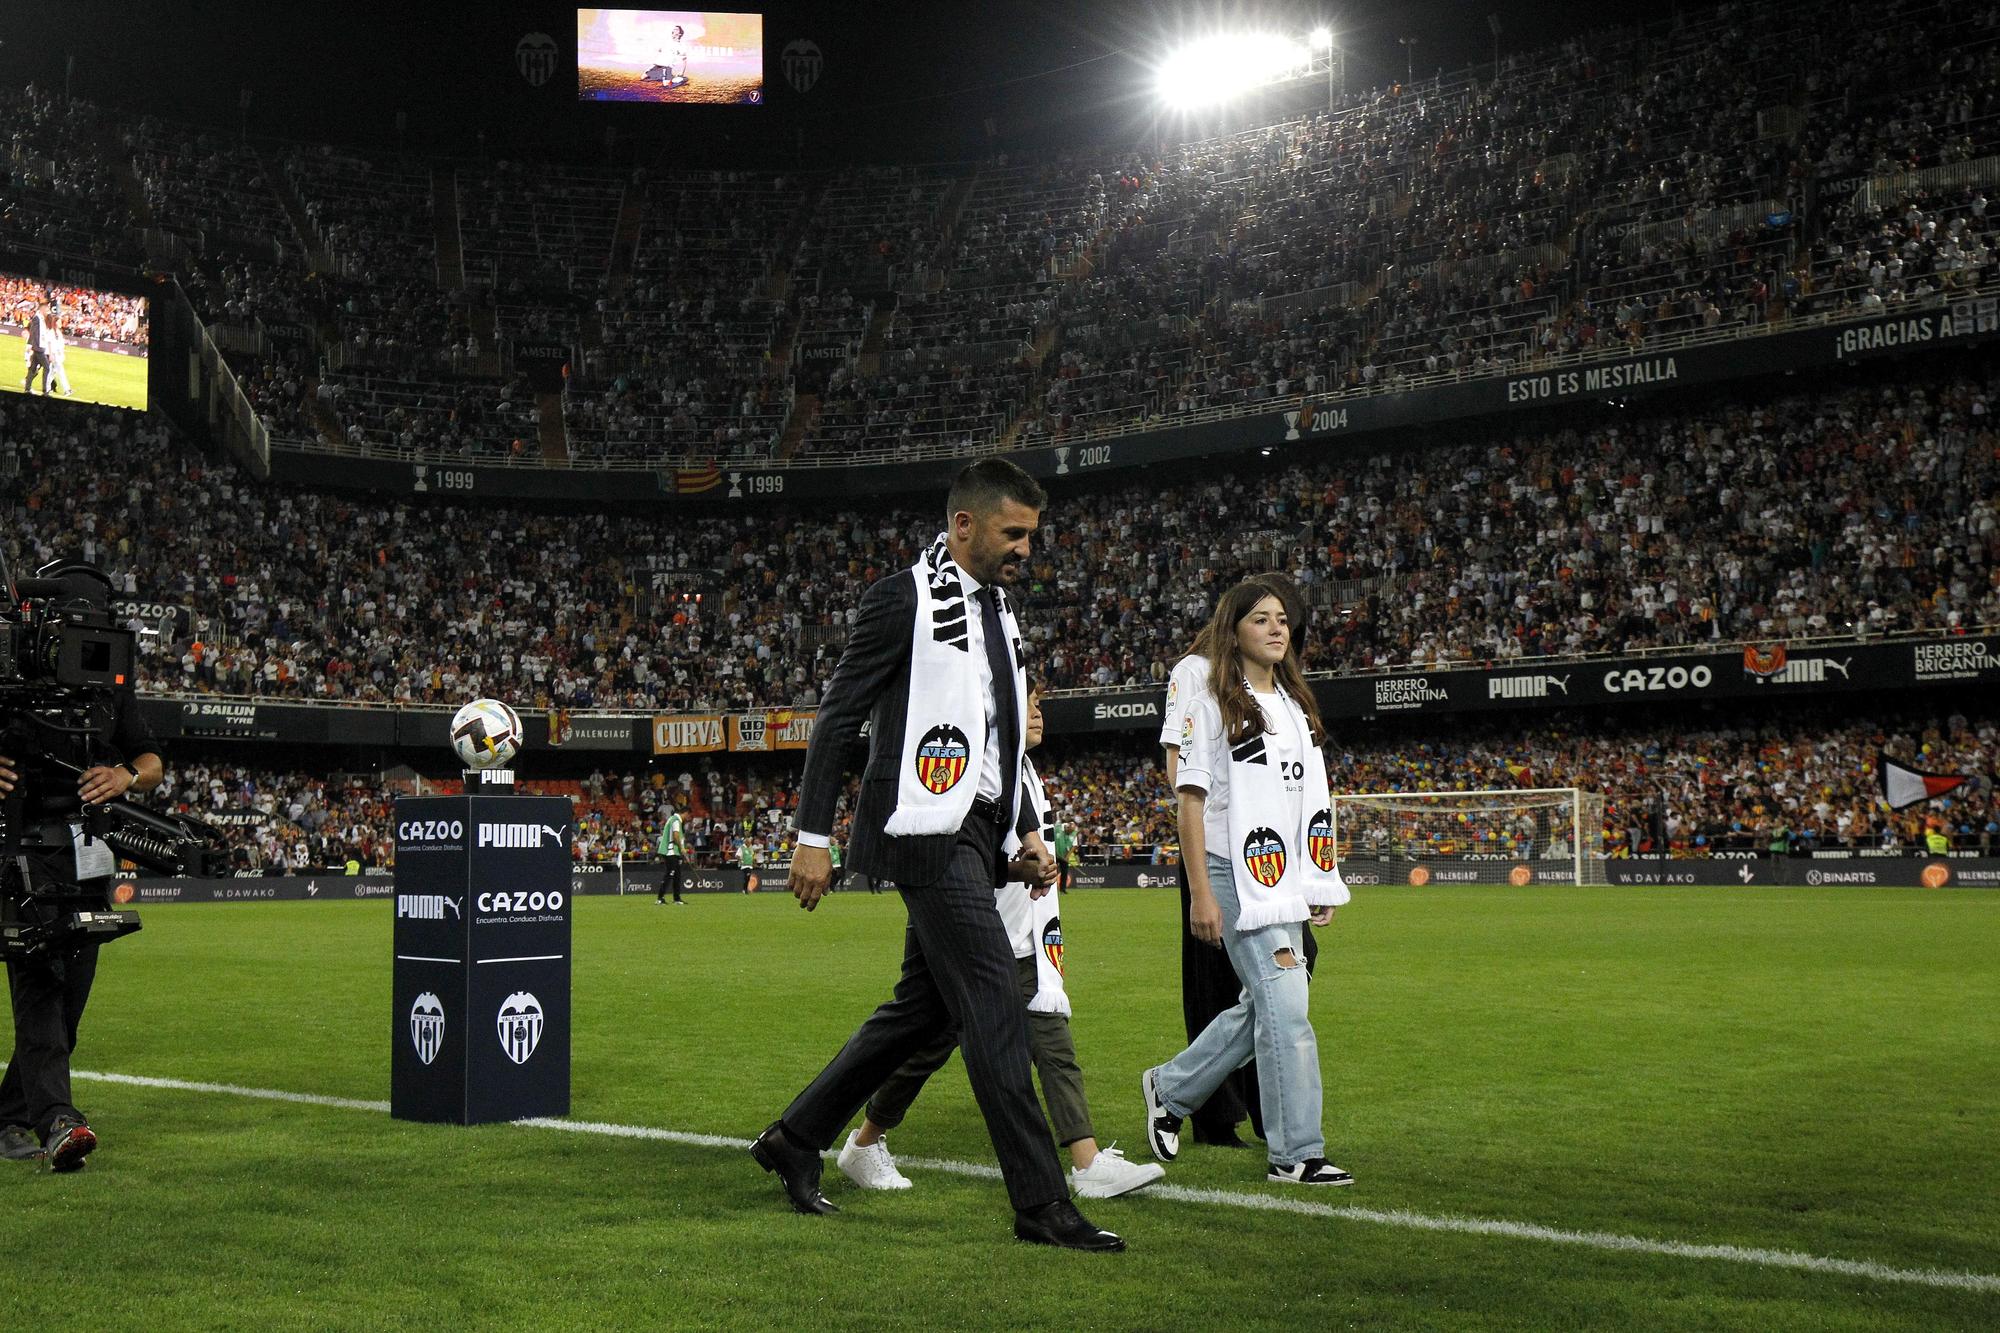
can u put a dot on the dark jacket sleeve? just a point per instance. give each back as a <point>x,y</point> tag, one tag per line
<point>877,651</point>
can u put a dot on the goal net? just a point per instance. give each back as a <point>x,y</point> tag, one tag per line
<point>1541,835</point>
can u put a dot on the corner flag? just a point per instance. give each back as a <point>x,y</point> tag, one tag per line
<point>1903,787</point>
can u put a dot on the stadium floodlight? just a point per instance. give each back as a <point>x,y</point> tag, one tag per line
<point>1224,66</point>
<point>1322,39</point>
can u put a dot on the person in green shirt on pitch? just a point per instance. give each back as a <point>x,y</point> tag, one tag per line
<point>672,851</point>
<point>1066,856</point>
<point>746,861</point>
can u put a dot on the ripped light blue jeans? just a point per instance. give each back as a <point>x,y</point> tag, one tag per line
<point>1269,1022</point>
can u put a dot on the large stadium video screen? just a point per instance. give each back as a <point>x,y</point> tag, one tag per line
<point>688,56</point>
<point>78,344</point>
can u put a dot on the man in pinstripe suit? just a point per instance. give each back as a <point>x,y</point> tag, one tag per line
<point>958,966</point>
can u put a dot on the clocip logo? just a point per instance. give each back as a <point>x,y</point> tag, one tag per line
<point>1645,680</point>
<point>518,835</point>
<point>427,1026</point>
<point>520,1026</point>
<point>421,907</point>
<point>941,758</point>
<point>1319,840</point>
<point>1062,460</point>
<point>803,63</point>
<point>1264,854</point>
<point>1525,687</point>
<point>1114,712</point>
<point>535,57</point>
<point>1052,944</point>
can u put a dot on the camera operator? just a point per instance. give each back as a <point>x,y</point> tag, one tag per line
<point>116,755</point>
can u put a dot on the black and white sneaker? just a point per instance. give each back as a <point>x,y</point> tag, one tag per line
<point>1312,1171</point>
<point>1163,1128</point>
<point>69,1142</point>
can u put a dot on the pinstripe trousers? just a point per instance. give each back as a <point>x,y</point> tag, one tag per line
<point>958,971</point>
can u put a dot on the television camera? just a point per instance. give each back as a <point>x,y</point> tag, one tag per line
<point>64,662</point>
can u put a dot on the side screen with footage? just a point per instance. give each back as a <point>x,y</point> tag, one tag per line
<point>684,56</point>
<point>80,344</point>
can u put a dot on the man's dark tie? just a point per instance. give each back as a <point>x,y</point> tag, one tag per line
<point>1003,694</point>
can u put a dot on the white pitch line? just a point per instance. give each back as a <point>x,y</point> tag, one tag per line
<point>1616,1242</point>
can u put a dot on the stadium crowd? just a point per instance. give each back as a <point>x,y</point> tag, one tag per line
<point>1645,181</point>
<point>1864,510</point>
<point>1790,783</point>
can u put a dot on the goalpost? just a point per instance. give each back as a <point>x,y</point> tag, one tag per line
<point>1523,835</point>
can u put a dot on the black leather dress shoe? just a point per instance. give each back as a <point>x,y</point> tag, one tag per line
<point>797,1167</point>
<point>1059,1223</point>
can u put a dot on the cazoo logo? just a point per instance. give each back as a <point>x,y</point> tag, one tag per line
<point>1649,680</point>
<point>536,901</point>
<point>430,830</point>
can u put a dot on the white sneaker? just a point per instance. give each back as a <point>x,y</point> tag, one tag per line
<point>1110,1175</point>
<point>871,1167</point>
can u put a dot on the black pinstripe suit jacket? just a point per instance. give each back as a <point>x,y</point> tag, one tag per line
<point>872,684</point>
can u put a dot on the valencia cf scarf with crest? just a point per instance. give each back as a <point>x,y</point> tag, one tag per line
<point>1284,856</point>
<point>1044,919</point>
<point>944,727</point>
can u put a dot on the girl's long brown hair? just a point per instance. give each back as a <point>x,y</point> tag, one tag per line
<point>1241,717</point>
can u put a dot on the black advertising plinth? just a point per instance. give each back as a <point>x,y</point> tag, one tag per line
<point>482,959</point>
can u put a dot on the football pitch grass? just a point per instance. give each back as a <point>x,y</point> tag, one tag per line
<point>95,376</point>
<point>1800,1071</point>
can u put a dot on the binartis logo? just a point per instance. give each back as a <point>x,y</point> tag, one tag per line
<point>520,1025</point>
<point>518,835</point>
<point>427,1026</point>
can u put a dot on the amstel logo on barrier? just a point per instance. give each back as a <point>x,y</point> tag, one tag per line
<point>941,758</point>
<point>1264,854</point>
<point>1419,876</point>
<point>427,1026</point>
<point>1052,944</point>
<point>1319,840</point>
<point>1520,876</point>
<point>520,1025</point>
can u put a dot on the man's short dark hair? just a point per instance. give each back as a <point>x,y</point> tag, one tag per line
<point>981,487</point>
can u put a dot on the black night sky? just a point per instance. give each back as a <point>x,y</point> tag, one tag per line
<point>901,81</point>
